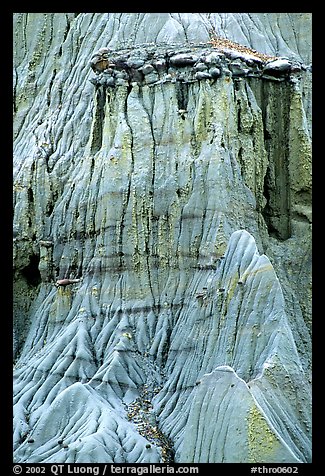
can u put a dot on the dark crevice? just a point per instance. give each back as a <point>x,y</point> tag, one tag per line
<point>240,156</point>
<point>30,195</point>
<point>267,211</point>
<point>50,88</point>
<point>92,165</point>
<point>50,205</point>
<point>31,272</point>
<point>15,90</point>
<point>238,105</point>
<point>276,212</point>
<point>182,95</point>
<point>49,209</point>
<point>99,120</point>
<point>236,84</point>
<point>67,28</point>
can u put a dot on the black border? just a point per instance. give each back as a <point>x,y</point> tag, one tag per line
<point>6,18</point>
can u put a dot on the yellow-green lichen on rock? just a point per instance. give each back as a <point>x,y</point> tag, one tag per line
<point>263,445</point>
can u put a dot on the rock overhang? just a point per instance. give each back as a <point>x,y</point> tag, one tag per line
<point>148,65</point>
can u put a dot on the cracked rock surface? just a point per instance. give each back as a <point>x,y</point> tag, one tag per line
<point>162,238</point>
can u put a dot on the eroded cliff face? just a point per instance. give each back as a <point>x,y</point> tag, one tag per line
<point>175,189</point>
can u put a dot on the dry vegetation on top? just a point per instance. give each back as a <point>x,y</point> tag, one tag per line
<point>224,43</point>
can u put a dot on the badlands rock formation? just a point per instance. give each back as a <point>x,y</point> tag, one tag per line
<point>162,238</point>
